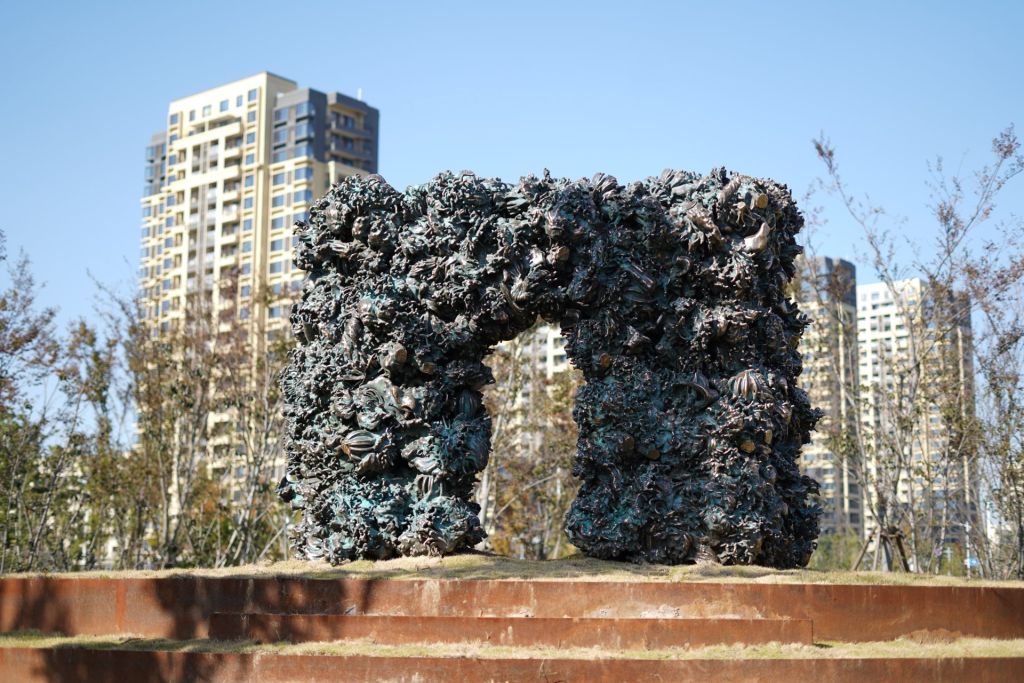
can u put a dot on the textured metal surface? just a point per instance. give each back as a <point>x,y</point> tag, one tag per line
<point>670,293</point>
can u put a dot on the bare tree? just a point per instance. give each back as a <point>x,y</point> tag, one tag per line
<point>917,445</point>
<point>527,486</point>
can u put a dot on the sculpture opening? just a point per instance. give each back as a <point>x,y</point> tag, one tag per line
<point>670,294</point>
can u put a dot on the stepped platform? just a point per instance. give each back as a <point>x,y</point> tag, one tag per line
<point>485,618</point>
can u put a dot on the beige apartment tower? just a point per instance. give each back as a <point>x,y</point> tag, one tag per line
<point>827,293</point>
<point>235,167</point>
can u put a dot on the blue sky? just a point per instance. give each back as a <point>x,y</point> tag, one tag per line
<point>506,89</point>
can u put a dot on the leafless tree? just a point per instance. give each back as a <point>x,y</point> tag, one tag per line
<point>927,488</point>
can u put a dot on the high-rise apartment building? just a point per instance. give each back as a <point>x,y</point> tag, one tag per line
<point>235,167</point>
<point>827,294</point>
<point>916,375</point>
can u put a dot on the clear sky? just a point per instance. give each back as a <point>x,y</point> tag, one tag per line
<point>505,89</point>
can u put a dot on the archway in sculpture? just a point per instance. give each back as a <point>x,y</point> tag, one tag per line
<point>670,293</point>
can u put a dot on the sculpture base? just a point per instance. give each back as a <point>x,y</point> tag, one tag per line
<point>582,628</point>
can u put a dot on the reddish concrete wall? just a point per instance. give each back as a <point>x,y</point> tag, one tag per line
<point>617,634</point>
<point>98,666</point>
<point>181,607</point>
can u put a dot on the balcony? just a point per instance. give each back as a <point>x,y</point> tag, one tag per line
<point>339,126</point>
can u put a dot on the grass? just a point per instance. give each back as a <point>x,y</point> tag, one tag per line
<point>479,565</point>
<point>902,648</point>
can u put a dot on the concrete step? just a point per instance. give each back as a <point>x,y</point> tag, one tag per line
<point>28,665</point>
<point>180,607</point>
<point>616,634</point>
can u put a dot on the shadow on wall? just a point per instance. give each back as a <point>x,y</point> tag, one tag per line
<point>134,623</point>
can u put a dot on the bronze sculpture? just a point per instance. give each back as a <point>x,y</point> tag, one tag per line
<point>671,295</point>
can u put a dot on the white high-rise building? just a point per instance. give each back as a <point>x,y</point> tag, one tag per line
<point>915,363</point>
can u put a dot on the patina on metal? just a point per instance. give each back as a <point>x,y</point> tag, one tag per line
<point>671,295</point>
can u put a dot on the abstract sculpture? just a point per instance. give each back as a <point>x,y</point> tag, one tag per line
<point>671,295</point>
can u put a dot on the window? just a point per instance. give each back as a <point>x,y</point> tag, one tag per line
<point>278,179</point>
<point>250,138</point>
<point>167,264</point>
<point>278,200</point>
<point>277,267</point>
<point>243,313</point>
<point>274,312</point>
<point>246,246</point>
<point>247,224</point>
<point>192,115</point>
<point>238,101</point>
<point>251,117</point>
<point>168,243</point>
<point>252,95</point>
<point>304,151</point>
<point>174,119</point>
<point>250,159</point>
<point>276,245</point>
<point>206,110</point>
<point>303,196</point>
<point>303,173</point>
<point>280,136</point>
<point>147,211</point>
<point>173,138</point>
<point>166,284</point>
<point>172,160</point>
<point>281,115</point>
<point>249,180</point>
<point>246,268</point>
<point>300,217</point>
<point>245,290</point>
<point>169,222</point>
<point>280,155</point>
<point>223,105</point>
<point>304,109</point>
<point>165,306</point>
<point>277,223</point>
<point>247,203</point>
<point>303,130</point>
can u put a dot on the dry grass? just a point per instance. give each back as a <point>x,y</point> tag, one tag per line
<point>477,565</point>
<point>902,648</point>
